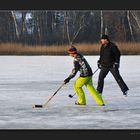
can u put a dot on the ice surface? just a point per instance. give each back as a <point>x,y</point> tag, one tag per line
<point>28,80</point>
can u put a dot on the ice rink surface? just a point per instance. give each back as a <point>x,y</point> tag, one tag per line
<point>28,80</point>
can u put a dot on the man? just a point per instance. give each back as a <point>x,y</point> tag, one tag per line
<point>85,78</point>
<point>109,61</point>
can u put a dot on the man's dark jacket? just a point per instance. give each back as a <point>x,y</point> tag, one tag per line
<point>109,54</point>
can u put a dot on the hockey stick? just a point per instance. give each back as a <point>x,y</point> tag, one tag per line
<point>71,95</point>
<point>75,93</point>
<point>46,103</point>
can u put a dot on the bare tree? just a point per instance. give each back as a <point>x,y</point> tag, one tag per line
<point>106,30</point>
<point>102,22</point>
<point>15,23</point>
<point>64,27</point>
<point>81,26</point>
<point>36,28</point>
<point>23,29</point>
<point>136,16</point>
<point>67,26</point>
<point>130,26</point>
<point>78,23</point>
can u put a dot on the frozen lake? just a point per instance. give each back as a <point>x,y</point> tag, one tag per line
<point>28,80</point>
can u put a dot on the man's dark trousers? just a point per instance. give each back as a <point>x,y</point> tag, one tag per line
<point>115,72</point>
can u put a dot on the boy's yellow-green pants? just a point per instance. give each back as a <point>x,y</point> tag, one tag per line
<point>87,81</point>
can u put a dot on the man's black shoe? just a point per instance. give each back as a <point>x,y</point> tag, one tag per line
<point>125,93</point>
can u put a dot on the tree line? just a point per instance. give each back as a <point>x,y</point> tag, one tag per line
<point>46,27</point>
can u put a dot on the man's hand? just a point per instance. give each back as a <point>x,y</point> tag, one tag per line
<point>66,80</point>
<point>99,64</point>
<point>116,65</point>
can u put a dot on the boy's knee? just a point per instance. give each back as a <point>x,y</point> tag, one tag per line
<point>76,85</point>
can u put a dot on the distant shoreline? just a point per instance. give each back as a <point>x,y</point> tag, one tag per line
<point>84,48</point>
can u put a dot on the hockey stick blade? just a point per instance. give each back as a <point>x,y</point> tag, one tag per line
<point>70,96</point>
<point>37,106</point>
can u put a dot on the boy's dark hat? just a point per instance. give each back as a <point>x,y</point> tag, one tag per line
<point>72,50</point>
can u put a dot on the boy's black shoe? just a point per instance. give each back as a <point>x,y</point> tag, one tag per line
<point>76,103</point>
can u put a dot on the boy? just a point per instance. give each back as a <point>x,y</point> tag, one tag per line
<point>85,78</point>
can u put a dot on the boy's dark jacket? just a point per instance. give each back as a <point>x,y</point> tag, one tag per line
<point>80,64</point>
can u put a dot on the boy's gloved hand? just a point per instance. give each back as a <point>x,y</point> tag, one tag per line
<point>66,80</point>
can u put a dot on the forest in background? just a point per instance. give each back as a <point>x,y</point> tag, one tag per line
<point>48,29</point>
<point>64,27</point>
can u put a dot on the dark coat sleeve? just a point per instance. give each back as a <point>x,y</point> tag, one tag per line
<point>74,70</point>
<point>100,57</point>
<point>116,53</point>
